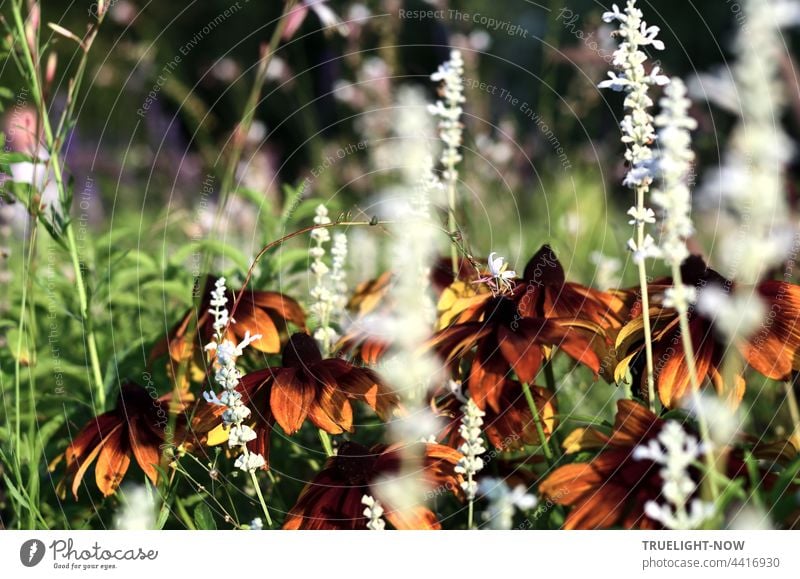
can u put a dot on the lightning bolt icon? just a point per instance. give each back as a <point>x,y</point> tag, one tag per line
<point>32,552</point>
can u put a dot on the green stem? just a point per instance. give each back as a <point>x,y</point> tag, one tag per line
<point>648,339</point>
<point>54,161</point>
<point>17,362</point>
<point>794,410</point>
<point>261,497</point>
<point>470,508</point>
<point>537,421</point>
<point>550,382</point>
<point>184,514</point>
<point>451,218</point>
<point>252,102</point>
<point>691,366</point>
<point>325,439</point>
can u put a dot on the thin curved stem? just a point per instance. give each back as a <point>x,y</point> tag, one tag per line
<point>691,366</point>
<point>261,497</point>
<point>537,421</point>
<point>52,141</point>
<point>648,338</point>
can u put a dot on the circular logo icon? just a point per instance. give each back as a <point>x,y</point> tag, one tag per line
<point>32,552</point>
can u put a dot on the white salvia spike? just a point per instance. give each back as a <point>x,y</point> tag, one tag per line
<point>675,450</point>
<point>673,167</point>
<point>325,297</point>
<point>632,77</point>
<point>227,377</point>
<point>373,511</point>
<point>750,182</point>
<point>472,448</point>
<point>503,502</point>
<point>448,110</point>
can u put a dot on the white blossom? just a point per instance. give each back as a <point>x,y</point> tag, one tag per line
<point>673,165</point>
<point>503,501</point>
<point>249,461</point>
<point>139,507</point>
<point>680,297</point>
<point>607,273</point>
<point>724,422</point>
<point>735,315</point>
<point>448,110</point>
<point>675,450</point>
<point>373,511</point>
<point>256,524</point>
<point>329,291</point>
<point>637,128</point>
<point>472,447</point>
<point>645,215</point>
<point>227,376</point>
<point>648,249</point>
<point>750,182</point>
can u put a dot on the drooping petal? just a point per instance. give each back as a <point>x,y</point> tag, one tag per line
<point>458,340</point>
<point>569,484</point>
<point>574,340</point>
<point>87,445</point>
<point>633,423</point>
<point>254,320</point>
<point>513,427</point>
<point>672,374</point>
<point>601,510</point>
<point>521,352</point>
<point>365,385</point>
<point>146,446</point>
<point>291,399</point>
<point>281,306</point>
<point>331,410</point>
<point>113,461</point>
<point>488,375</point>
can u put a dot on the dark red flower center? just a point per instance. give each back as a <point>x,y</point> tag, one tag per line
<point>354,463</point>
<point>301,351</point>
<point>502,311</point>
<point>544,269</point>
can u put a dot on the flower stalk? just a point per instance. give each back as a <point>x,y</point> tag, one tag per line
<point>53,144</point>
<point>448,110</point>
<point>472,447</point>
<point>637,134</point>
<point>227,376</point>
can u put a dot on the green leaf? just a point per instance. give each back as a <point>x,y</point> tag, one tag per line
<point>204,518</point>
<point>215,247</point>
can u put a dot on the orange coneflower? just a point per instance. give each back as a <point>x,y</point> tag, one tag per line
<point>542,292</point>
<point>613,488</point>
<point>308,386</point>
<point>135,427</point>
<point>363,340</point>
<point>504,340</point>
<point>510,428</point>
<point>333,499</point>
<point>258,312</point>
<point>772,351</point>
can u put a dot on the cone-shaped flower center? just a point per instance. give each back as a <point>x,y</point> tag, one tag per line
<point>354,463</point>
<point>544,269</point>
<point>300,351</point>
<point>502,311</point>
